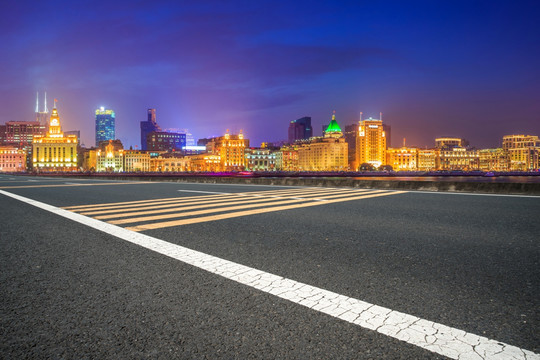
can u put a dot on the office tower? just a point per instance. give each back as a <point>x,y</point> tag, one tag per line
<point>165,141</point>
<point>54,151</point>
<point>105,125</point>
<point>148,126</point>
<point>300,129</point>
<point>371,142</point>
<point>42,116</point>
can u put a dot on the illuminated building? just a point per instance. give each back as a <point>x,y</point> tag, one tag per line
<point>12,159</point>
<point>458,158</point>
<point>445,142</point>
<point>371,143</point>
<point>148,126</point>
<point>230,149</point>
<point>110,156</point>
<point>523,151</point>
<point>427,159</point>
<point>42,117</point>
<point>136,161</point>
<point>300,129</point>
<point>402,159</point>
<point>205,162</point>
<point>54,151</point>
<point>494,160</point>
<point>105,125</point>
<point>287,158</point>
<point>170,163</point>
<point>89,159</point>
<point>260,160</point>
<point>165,141</point>
<point>328,153</point>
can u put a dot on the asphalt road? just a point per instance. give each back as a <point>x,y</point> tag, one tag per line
<point>69,291</point>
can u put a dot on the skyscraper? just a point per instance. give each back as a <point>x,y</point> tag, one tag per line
<point>148,126</point>
<point>105,125</point>
<point>42,116</point>
<point>300,129</point>
<point>371,143</point>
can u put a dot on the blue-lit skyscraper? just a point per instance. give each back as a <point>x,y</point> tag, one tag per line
<point>105,125</point>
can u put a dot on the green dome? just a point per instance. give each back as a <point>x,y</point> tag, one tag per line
<point>333,126</point>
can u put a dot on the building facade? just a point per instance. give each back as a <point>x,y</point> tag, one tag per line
<point>105,125</point>
<point>54,151</point>
<point>494,160</point>
<point>230,149</point>
<point>523,151</point>
<point>402,159</point>
<point>136,161</point>
<point>12,159</point>
<point>371,143</point>
<point>260,160</point>
<point>110,157</point>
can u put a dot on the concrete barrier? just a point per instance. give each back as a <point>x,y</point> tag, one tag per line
<point>519,188</point>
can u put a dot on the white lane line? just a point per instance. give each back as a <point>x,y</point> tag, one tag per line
<point>205,192</point>
<point>471,194</point>
<point>435,337</point>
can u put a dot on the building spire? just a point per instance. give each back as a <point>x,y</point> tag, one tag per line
<point>45,107</point>
<point>37,101</point>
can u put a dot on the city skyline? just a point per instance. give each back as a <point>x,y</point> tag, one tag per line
<point>433,69</point>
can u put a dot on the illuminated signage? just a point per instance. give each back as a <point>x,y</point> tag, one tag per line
<point>373,126</point>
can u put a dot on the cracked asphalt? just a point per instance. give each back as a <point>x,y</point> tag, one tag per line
<point>465,262</point>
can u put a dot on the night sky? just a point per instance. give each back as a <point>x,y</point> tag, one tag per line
<point>433,68</point>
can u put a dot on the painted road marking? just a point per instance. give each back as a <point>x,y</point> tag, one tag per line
<point>235,205</point>
<point>183,201</point>
<point>182,214</point>
<point>126,203</point>
<point>435,337</point>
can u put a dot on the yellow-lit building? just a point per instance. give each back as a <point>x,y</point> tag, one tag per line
<point>442,142</point>
<point>170,163</point>
<point>329,153</point>
<point>494,160</point>
<point>54,151</point>
<point>402,159</point>
<point>523,151</point>
<point>12,159</point>
<point>110,157</point>
<point>371,143</point>
<point>205,162</point>
<point>427,159</point>
<point>231,149</point>
<point>458,158</point>
<point>287,158</point>
<point>136,161</point>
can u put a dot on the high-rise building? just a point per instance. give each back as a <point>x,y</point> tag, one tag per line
<point>300,129</point>
<point>105,125</point>
<point>148,126</point>
<point>54,151</point>
<point>42,116</point>
<point>371,143</point>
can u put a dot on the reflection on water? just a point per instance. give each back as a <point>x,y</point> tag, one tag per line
<point>494,179</point>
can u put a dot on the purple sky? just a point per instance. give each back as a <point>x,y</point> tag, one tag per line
<point>459,68</point>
